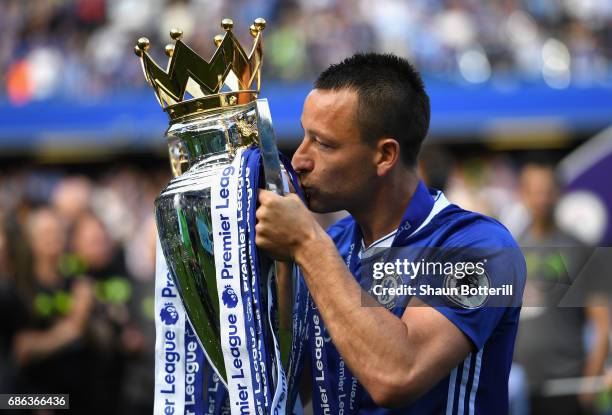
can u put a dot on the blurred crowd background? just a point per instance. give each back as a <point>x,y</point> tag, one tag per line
<point>77,257</point>
<point>76,229</point>
<point>78,48</point>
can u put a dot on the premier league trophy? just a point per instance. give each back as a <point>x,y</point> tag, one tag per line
<point>220,138</point>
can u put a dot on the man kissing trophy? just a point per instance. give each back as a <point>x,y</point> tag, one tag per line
<point>223,345</point>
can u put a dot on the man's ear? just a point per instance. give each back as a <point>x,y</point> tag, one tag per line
<point>387,155</point>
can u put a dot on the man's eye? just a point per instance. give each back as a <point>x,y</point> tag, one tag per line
<point>321,144</point>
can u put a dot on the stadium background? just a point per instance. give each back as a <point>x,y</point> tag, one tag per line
<point>82,154</point>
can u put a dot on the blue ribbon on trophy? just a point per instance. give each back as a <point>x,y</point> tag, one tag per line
<point>336,390</point>
<point>212,286</point>
<point>194,373</point>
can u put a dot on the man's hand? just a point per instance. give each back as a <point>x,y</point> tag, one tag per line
<point>284,225</point>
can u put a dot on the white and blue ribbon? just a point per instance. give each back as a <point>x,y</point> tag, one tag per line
<point>194,373</point>
<point>261,268</point>
<point>216,399</point>
<point>335,389</point>
<point>256,380</point>
<point>235,322</point>
<point>169,342</point>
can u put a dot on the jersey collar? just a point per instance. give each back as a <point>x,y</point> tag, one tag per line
<point>420,206</point>
<point>416,213</point>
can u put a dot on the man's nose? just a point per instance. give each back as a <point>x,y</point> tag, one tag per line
<point>301,161</point>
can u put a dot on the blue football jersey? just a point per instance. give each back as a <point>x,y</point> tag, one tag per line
<point>479,384</point>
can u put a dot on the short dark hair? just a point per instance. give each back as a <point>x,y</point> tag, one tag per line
<point>392,98</point>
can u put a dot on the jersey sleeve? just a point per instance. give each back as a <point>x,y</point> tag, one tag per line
<point>483,276</point>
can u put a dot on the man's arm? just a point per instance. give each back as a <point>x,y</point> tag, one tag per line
<point>396,360</point>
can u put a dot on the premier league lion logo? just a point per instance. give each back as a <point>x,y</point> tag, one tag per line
<point>229,297</point>
<point>168,314</point>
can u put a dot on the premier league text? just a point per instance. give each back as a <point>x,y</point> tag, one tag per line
<point>171,354</point>
<point>320,370</point>
<point>192,367</point>
<point>225,234</point>
<point>236,367</point>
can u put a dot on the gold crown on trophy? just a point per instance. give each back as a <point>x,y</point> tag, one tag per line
<point>191,84</point>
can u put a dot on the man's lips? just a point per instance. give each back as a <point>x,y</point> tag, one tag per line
<point>302,183</point>
<point>308,191</point>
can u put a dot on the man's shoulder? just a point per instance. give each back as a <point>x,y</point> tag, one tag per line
<point>475,235</point>
<point>452,226</point>
<point>463,228</point>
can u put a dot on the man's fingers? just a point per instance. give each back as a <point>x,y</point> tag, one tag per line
<point>258,240</point>
<point>264,244</point>
<point>265,196</point>
<point>276,218</point>
<point>271,199</point>
<point>259,214</point>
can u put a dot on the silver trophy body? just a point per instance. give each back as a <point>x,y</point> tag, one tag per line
<point>214,111</point>
<point>200,147</point>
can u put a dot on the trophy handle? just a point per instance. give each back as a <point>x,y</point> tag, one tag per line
<point>283,271</point>
<point>267,145</point>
